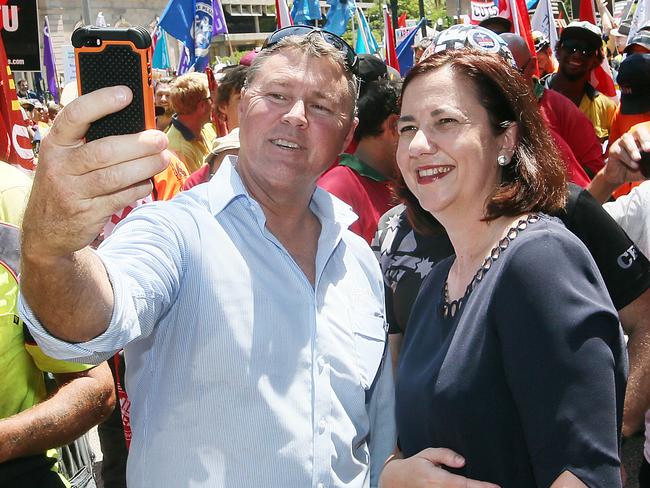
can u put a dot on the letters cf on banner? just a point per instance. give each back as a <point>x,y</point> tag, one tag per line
<point>20,34</point>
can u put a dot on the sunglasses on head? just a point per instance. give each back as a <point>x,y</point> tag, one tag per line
<point>351,59</point>
<point>581,48</point>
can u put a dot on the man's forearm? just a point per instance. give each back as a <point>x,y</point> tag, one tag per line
<point>635,319</point>
<point>77,284</point>
<point>601,188</point>
<point>82,402</point>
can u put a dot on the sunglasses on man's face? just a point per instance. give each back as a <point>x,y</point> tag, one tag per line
<point>580,48</point>
<point>351,59</point>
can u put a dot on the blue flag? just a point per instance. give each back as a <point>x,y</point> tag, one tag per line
<point>193,22</point>
<point>305,12</point>
<point>339,15</point>
<point>531,4</point>
<point>203,23</point>
<point>160,59</point>
<point>405,54</point>
<point>366,42</point>
<point>177,20</point>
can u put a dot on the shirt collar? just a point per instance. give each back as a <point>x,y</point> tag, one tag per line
<point>590,91</point>
<point>185,131</point>
<point>360,167</point>
<point>226,186</point>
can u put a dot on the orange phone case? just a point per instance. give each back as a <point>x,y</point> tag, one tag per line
<point>116,56</point>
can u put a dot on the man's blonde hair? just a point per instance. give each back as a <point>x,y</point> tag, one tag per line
<point>187,91</point>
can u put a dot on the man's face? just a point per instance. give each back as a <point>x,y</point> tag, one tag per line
<point>40,114</point>
<point>22,86</point>
<point>162,95</point>
<point>545,61</point>
<point>295,118</point>
<point>576,59</point>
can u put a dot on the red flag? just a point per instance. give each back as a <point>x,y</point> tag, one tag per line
<point>401,21</point>
<point>15,143</point>
<point>601,77</point>
<point>282,15</point>
<point>389,41</point>
<point>517,13</point>
<point>587,11</point>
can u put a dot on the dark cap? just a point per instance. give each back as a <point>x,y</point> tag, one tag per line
<point>584,31</point>
<point>497,24</point>
<point>624,29</point>
<point>634,80</point>
<point>371,68</point>
<point>641,38</point>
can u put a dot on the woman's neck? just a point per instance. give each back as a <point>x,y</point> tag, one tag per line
<point>472,239</point>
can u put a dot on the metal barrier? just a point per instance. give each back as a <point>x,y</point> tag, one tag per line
<point>77,463</point>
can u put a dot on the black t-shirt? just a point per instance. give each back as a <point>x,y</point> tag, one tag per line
<point>406,257</point>
<point>528,379</point>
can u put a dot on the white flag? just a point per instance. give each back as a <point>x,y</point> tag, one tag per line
<point>543,21</point>
<point>641,17</point>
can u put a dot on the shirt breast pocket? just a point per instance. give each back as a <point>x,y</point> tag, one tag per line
<point>370,331</point>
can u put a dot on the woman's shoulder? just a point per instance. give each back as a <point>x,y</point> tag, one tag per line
<point>540,230</point>
<point>546,243</point>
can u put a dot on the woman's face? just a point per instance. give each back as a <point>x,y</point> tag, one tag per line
<point>447,150</point>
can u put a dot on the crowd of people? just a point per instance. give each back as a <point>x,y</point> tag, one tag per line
<point>321,274</point>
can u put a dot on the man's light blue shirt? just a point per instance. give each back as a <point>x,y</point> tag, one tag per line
<point>240,373</point>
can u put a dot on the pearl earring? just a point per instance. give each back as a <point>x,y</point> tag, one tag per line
<point>502,160</point>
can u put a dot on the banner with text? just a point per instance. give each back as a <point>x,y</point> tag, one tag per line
<point>480,11</point>
<point>19,28</point>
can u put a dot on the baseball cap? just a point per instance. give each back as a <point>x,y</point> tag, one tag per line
<point>371,68</point>
<point>247,58</point>
<point>585,31</point>
<point>540,40</point>
<point>26,103</point>
<point>470,36</point>
<point>501,24</point>
<point>229,141</point>
<point>634,80</point>
<point>641,38</point>
<point>624,28</point>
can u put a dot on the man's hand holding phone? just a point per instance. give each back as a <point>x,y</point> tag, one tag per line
<point>79,185</point>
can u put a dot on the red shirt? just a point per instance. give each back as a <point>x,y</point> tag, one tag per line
<point>361,187</point>
<point>201,175</point>
<point>575,128</point>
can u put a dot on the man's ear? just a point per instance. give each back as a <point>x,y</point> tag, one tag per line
<point>389,125</point>
<point>243,101</point>
<point>350,134</point>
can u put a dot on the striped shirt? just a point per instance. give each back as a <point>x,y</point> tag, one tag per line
<point>240,373</point>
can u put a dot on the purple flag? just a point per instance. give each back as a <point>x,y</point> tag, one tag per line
<point>50,64</point>
<point>219,25</point>
<point>183,63</point>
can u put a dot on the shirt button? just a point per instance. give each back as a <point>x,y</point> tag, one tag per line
<point>322,423</point>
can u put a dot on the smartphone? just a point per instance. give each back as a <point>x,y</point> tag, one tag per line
<point>116,56</point>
